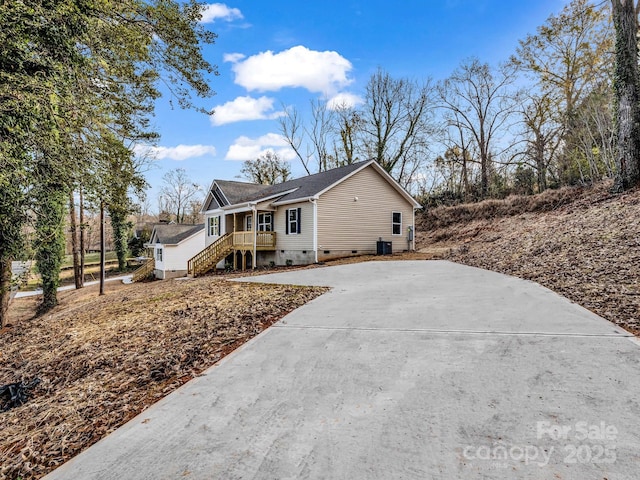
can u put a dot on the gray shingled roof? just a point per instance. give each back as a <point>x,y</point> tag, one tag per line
<point>310,185</point>
<point>236,192</point>
<point>172,234</point>
<point>291,191</point>
<point>304,187</point>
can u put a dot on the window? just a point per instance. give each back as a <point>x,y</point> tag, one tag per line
<point>293,221</point>
<point>396,223</point>
<point>159,254</point>
<point>265,223</point>
<point>248,221</point>
<point>213,226</point>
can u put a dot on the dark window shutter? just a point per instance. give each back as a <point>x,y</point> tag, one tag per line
<point>286,221</point>
<point>219,225</point>
<point>299,218</point>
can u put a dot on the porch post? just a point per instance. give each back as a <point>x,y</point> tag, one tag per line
<point>233,231</point>
<point>255,235</point>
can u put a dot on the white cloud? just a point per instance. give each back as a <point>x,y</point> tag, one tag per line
<point>245,148</point>
<point>179,152</point>
<point>324,72</point>
<point>219,11</point>
<point>233,57</point>
<point>244,108</point>
<point>345,99</point>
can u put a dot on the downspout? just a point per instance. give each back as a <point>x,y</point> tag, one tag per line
<point>314,201</point>
<point>254,226</point>
<point>413,240</point>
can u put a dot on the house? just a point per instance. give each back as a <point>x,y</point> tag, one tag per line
<point>173,245</point>
<point>339,212</point>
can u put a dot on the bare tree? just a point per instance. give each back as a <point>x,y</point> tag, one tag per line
<point>542,136</point>
<point>480,103</point>
<point>293,131</point>
<point>178,191</point>
<point>316,138</point>
<point>568,57</point>
<point>459,152</point>
<point>396,124</point>
<point>347,123</point>
<point>267,169</point>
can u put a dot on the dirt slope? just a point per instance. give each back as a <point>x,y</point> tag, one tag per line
<point>583,243</point>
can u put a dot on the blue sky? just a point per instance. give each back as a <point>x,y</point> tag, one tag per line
<point>287,53</point>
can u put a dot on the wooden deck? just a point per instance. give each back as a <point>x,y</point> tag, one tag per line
<point>265,241</point>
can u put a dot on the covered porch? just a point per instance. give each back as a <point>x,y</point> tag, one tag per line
<point>241,234</point>
<point>252,232</point>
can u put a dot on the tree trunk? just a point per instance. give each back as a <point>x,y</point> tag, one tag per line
<point>119,233</point>
<point>627,91</point>
<point>102,248</point>
<point>465,175</point>
<point>74,241</point>
<point>82,237</point>
<point>484,175</point>
<point>5,290</point>
<point>49,240</point>
<point>541,166</point>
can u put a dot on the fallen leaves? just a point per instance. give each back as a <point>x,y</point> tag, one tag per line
<point>103,360</point>
<point>587,248</point>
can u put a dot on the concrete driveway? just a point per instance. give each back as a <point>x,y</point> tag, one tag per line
<point>425,370</point>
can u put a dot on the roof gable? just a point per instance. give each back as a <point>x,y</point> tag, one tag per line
<point>229,192</point>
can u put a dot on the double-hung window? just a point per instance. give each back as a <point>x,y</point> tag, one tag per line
<point>396,223</point>
<point>213,226</point>
<point>159,254</point>
<point>293,221</point>
<point>265,222</point>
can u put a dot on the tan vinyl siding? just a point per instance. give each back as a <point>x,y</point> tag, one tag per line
<point>346,224</point>
<point>300,241</point>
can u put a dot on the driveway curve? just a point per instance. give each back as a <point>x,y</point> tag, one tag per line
<point>412,369</point>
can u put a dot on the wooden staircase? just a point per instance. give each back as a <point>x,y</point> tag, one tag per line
<point>144,271</point>
<point>210,256</point>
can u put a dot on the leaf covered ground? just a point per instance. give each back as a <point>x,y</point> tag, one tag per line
<point>103,360</point>
<point>583,243</point>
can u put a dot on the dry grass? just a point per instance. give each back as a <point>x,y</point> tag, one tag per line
<point>547,201</point>
<point>102,360</point>
<point>584,245</point>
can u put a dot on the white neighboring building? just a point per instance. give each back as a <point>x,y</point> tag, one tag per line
<point>173,245</point>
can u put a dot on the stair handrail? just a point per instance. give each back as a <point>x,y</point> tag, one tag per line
<point>210,255</point>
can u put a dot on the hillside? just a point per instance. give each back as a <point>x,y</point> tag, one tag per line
<point>583,243</point>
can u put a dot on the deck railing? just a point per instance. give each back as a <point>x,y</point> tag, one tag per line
<point>264,240</point>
